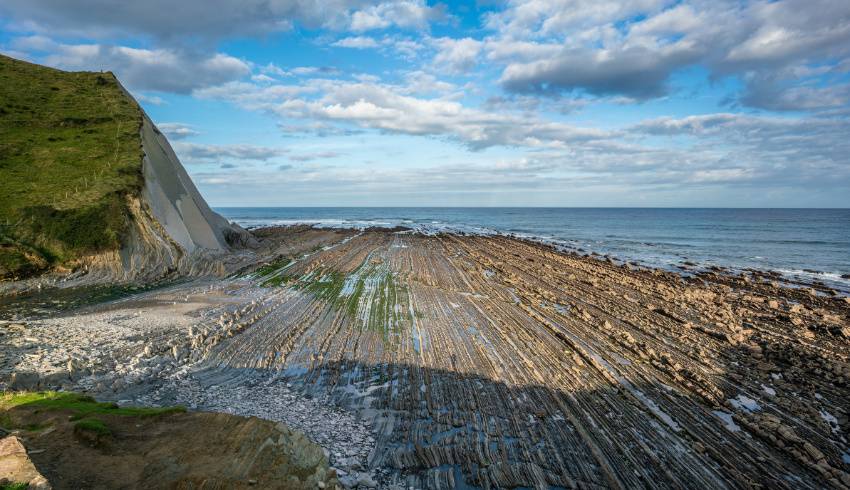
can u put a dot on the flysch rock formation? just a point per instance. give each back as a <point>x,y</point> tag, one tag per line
<point>175,202</point>
<point>488,362</point>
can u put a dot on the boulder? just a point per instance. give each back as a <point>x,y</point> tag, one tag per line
<point>23,381</point>
<point>16,467</point>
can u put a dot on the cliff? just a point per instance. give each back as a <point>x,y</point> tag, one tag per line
<point>92,191</point>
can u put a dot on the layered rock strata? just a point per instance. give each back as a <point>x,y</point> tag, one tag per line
<point>492,362</point>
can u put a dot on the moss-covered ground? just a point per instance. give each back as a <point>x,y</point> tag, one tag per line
<point>14,486</point>
<point>81,406</point>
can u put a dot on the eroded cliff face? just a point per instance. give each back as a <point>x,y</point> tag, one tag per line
<point>172,231</point>
<point>149,253</point>
<point>175,202</point>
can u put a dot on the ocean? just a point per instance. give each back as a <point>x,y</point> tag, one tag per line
<point>802,244</point>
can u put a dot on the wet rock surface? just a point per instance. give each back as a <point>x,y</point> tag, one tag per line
<point>460,361</point>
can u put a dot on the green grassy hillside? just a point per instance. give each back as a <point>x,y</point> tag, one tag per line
<point>70,151</point>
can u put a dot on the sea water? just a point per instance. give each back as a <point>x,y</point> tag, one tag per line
<point>805,244</point>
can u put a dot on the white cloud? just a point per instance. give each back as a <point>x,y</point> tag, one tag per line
<point>814,145</point>
<point>633,47</point>
<point>390,108</point>
<point>635,72</point>
<point>150,99</point>
<point>253,96</point>
<point>457,55</point>
<point>299,71</point>
<point>194,152</point>
<point>162,70</point>
<point>208,20</point>
<point>358,42</point>
<point>262,78</point>
<point>525,18</point>
<point>506,50</point>
<point>308,157</point>
<point>419,82</point>
<point>774,94</point>
<point>411,14</point>
<point>407,48</point>
<point>710,150</point>
<point>177,131</point>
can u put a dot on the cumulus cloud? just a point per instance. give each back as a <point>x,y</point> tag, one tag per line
<point>402,47</point>
<point>401,109</point>
<point>414,14</point>
<point>162,70</point>
<point>636,72</point>
<point>316,128</point>
<point>633,47</point>
<point>357,42</point>
<point>418,82</point>
<point>386,108</point>
<point>720,149</point>
<point>299,71</point>
<point>457,55</point>
<point>531,104</point>
<point>771,93</point>
<point>308,157</point>
<point>407,48</point>
<point>254,96</point>
<point>201,152</point>
<point>204,22</point>
<point>524,18</point>
<point>150,99</point>
<point>262,78</point>
<point>176,130</point>
<point>794,149</point>
<point>167,21</point>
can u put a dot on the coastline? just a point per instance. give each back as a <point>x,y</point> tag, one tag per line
<point>405,349</point>
<point>671,239</point>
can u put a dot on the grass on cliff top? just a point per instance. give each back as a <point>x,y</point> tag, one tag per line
<point>95,426</point>
<point>14,486</point>
<point>82,405</point>
<point>70,151</point>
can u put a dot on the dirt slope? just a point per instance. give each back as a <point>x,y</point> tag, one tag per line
<point>114,448</point>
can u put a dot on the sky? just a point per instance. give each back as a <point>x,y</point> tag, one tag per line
<point>488,103</point>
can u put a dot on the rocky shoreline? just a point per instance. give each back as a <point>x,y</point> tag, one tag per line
<point>454,361</point>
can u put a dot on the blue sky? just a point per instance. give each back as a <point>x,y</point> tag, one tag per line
<point>489,103</point>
